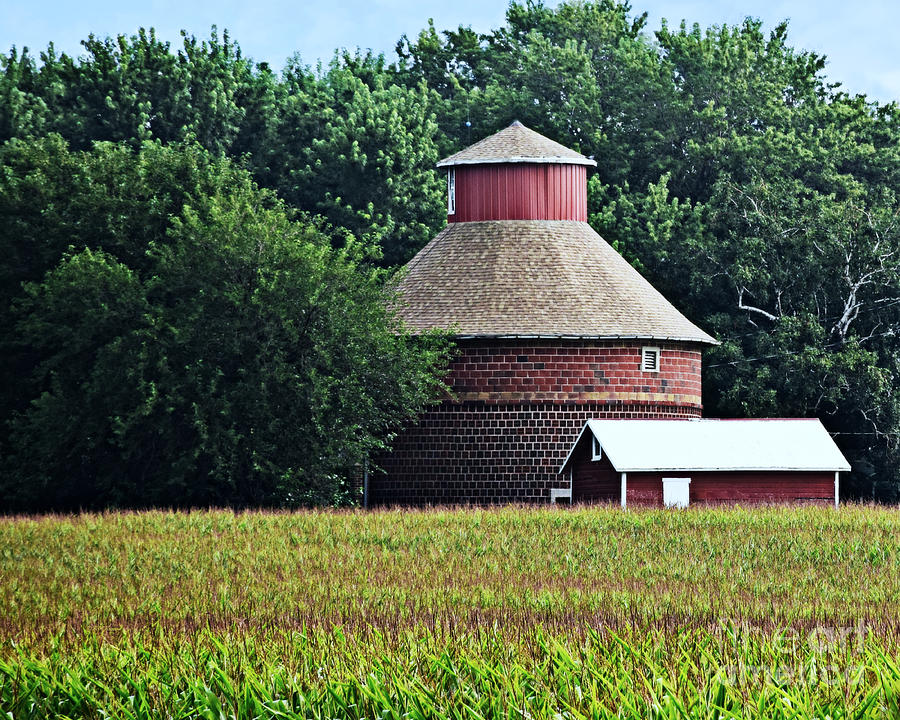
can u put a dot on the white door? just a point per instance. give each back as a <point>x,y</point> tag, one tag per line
<point>676,492</point>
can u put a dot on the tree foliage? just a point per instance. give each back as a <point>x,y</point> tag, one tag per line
<point>344,142</point>
<point>358,150</point>
<point>190,343</point>
<point>759,198</point>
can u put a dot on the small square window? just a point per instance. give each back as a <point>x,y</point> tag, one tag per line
<point>596,450</point>
<point>451,191</point>
<point>650,359</point>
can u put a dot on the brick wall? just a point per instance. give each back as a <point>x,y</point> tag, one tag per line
<point>578,371</point>
<point>517,410</point>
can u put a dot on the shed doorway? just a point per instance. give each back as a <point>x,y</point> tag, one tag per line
<point>676,492</point>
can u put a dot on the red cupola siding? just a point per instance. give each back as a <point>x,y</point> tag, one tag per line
<point>516,174</point>
<point>553,328</point>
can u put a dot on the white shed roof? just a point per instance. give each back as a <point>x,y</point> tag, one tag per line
<point>708,444</point>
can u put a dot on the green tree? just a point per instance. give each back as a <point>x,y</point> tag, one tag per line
<point>346,143</point>
<point>360,151</point>
<point>198,344</point>
<point>135,89</point>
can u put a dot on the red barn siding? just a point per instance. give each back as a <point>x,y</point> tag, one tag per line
<point>593,480</point>
<point>736,487</point>
<point>646,488</point>
<point>520,191</point>
<point>763,487</point>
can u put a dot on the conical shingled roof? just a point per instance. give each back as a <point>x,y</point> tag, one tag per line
<point>516,144</point>
<point>534,278</point>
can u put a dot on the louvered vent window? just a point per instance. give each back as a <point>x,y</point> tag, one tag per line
<point>650,359</point>
<point>451,191</point>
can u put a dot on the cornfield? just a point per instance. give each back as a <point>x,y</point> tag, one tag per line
<point>518,613</point>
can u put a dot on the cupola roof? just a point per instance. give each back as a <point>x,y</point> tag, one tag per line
<point>516,144</point>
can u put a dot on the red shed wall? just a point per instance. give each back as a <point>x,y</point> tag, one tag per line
<point>593,480</point>
<point>729,487</point>
<point>520,191</point>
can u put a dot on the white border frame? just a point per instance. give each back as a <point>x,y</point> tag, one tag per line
<point>596,448</point>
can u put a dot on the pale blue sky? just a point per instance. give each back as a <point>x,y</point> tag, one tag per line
<point>857,37</point>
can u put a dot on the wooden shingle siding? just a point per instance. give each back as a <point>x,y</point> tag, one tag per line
<point>534,278</point>
<point>515,144</point>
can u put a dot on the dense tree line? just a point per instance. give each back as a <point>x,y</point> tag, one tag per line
<point>177,336</point>
<point>759,198</point>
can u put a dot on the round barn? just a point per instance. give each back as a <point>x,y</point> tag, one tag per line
<point>553,328</point>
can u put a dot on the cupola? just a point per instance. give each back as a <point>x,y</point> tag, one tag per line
<point>518,258</point>
<point>516,174</point>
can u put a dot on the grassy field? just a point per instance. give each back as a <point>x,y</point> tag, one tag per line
<point>512,613</point>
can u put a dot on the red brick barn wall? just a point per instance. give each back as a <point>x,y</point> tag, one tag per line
<point>578,371</point>
<point>518,406</point>
<point>736,487</point>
